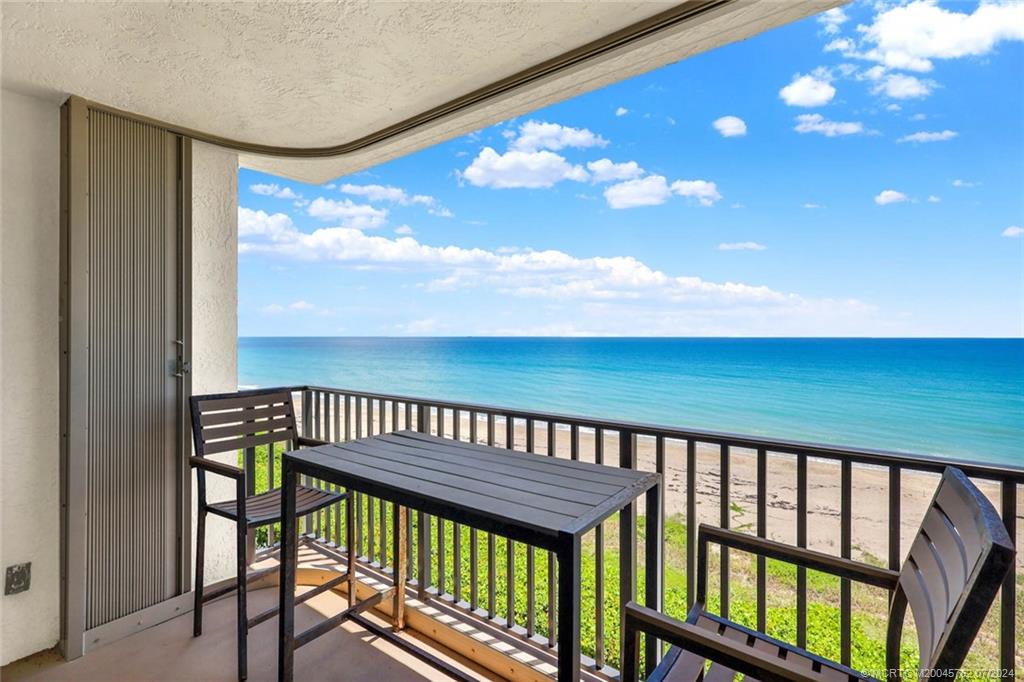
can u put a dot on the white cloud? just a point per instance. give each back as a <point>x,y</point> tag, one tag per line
<point>274,228</point>
<point>816,123</point>
<point>890,196</point>
<point>602,288</point>
<point>741,246</point>
<point>811,205</point>
<point>604,170</point>
<point>923,136</point>
<point>1013,231</point>
<point>377,192</point>
<point>273,190</point>
<point>730,126</point>
<point>842,45</point>
<point>296,307</point>
<point>807,91</point>
<point>918,117</point>
<point>705,192</point>
<point>832,19</point>
<point>896,107</point>
<point>397,195</point>
<point>911,36</point>
<point>424,327</point>
<point>932,199</point>
<point>349,213</point>
<point>537,135</point>
<point>964,183</point>
<point>902,86</point>
<point>403,229</point>
<point>655,189</point>
<point>621,111</point>
<point>649,191</point>
<point>521,169</point>
<point>521,272</point>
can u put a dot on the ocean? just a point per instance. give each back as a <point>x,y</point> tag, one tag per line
<point>959,398</point>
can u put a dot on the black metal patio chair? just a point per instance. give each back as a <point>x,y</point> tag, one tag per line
<point>230,422</point>
<point>954,569</point>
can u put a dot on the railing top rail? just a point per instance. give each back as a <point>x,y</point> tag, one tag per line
<point>997,472</point>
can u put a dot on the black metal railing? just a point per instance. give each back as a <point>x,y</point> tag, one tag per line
<point>462,565</point>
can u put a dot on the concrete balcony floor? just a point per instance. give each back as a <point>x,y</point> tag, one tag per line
<point>169,652</point>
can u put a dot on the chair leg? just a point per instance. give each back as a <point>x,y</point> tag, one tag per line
<point>197,610</point>
<point>243,617</point>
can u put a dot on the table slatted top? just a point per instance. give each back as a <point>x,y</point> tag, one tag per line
<point>517,494</point>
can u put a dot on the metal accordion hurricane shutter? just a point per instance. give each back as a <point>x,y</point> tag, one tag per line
<point>132,478</point>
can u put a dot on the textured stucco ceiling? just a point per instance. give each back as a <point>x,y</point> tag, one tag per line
<point>317,74</point>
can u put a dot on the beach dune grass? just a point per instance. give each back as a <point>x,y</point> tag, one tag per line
<point>869,608</point>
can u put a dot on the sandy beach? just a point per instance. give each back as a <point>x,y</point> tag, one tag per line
<point>870,489</point>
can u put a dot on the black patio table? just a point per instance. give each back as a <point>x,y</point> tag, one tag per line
<point>546,502</point>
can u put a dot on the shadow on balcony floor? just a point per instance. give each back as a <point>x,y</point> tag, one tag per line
<point>169,652</point>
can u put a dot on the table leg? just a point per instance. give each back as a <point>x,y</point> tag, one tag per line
<point>398,516</point>
<point>653,549</point>
<point>569,609</point>
<point>286,614</point>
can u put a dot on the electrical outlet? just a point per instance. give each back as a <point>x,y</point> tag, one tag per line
<point>18,579</point>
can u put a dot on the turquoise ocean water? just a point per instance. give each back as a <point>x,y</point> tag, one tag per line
<point>960,398</point>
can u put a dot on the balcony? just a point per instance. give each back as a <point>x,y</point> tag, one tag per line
<point>487,608</point>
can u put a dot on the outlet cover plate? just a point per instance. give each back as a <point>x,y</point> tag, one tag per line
<point>18,578</point>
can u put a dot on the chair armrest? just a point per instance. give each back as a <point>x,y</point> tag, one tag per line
<point>217,467</point>
<point>302,441</point>
<point>799,556</point>
<point>731,653</point>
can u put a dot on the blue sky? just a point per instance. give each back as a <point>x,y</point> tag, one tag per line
<point>860,173</point>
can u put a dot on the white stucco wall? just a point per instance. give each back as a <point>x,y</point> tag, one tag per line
<point>29,347</point>
<point>29,372</point>
<point>215,318</point>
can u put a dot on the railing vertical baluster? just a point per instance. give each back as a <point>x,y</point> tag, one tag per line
<point>307,431</point>
<point>725,475</point>
<point>654,552</point>
<point>510,546</point>
<point>762,531</point>
<point>456,562</point>
<point>574,441</point>
<point>492,610</point>
<point>371,529</point>
<point>442,575</point>
<point>457,424</point>
<point>691,522</point>
<point>474,540</point>
<point>408,416</point>
<point>1008,593</point>
<point>348,417</point>
<point>599,646</point>
<point>394,415</point>
<point>510,582</point>
<point>846,547</point>
<point>895,499</point>
<point>531,568</point>
<point>510,432</point>
<point>552,583</point>
<point>383,543</point>
<point>492,560</point>
<point>423,558</point>
<point>359,416</point>
<point>627,535</point>
<point>337,437</point>
<point>270,486</point>
<point>801,541</point>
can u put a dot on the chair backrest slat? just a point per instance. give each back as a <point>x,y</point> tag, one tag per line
<point>956,565</point>
<point>246,419</point>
